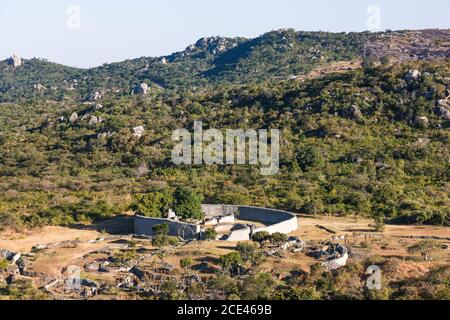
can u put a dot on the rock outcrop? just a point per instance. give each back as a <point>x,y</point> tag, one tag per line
<point>355,112</point>
<point>443,112</point>
<point>39,87</point>
<point>93,120</point>
<point>337,263</point>
<point>15,61</point>
<point>412,75</point>
<point>443,108</point>
<point>140,89</point>
<point>73,118</point>
<point>105,135</point>
<point>422,122</point>
<point>214,45</point>
<point>95,96</point>
<point>138,131</point>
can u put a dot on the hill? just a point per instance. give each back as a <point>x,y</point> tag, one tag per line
<point>216,61</point>
<point>371,142</point>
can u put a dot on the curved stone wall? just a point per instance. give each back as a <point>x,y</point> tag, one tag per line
<point>144,226</point>
<point>215,210</point>
<point>276,220</point>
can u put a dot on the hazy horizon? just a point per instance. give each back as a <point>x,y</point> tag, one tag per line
<point>85,34</point>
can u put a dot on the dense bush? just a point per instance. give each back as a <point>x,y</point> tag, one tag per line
<point>382,166</point>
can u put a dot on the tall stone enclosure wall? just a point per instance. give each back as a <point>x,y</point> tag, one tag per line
<point>275,220</point>
<point>144,226</point>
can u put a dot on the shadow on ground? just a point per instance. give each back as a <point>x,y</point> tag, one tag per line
<point>119,225</point>
<point>206,265</point>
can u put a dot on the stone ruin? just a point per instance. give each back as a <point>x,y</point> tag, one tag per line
<point>335,255</point>
<point>222,218</point>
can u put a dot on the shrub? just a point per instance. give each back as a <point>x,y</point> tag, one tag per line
<point>161,229</point>
<point>3,264</point>
<point>246,250</point>
<point>231,262</point>
<point>261,236</point>
<point>210,234</point>
<point>186,263</point>
<point>164,241</point>
<point>278,238</point>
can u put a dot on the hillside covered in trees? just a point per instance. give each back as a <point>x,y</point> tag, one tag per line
<point>371,141</point>
<point>217,61</point>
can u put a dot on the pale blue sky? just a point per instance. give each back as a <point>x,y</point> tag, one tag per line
<point>113,30</point>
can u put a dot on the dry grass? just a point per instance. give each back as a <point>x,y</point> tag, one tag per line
<point>391,244</point>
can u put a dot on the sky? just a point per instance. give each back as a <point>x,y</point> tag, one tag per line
<point>86,33</point>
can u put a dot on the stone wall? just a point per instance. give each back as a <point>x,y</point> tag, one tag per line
<point>276,220</point>
<point>227,219</point>
<point>240,235</point>
<point>144,226</point>
<point>217,210</point>
<point>336,263</point>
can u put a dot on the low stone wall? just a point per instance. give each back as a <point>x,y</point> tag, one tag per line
<point>276,220</point>
<point>144,226</point>
<point>240,235</point>
<point>336,263</point>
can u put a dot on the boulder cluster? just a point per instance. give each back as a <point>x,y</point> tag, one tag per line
<point>443,108</point>
<point>92,119</point>
<point>215,45</point>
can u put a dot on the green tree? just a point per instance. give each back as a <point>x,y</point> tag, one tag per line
<point>378,223</point>
<point>154,204</point>
<point>260,237</point>
<point>161,229</point>
<point>188,204</point>
<point>210,234</point>
<point>308,156</point>
<point>164,241</point>
<point>278,238</point>
<point>170,291</point>
<point>296,293</point>
<point>261,286</point>
<point>231,261</point>
<point>246,250</point>
<point>424,248</point>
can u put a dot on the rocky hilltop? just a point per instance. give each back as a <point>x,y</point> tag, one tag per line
<point>212,61</point>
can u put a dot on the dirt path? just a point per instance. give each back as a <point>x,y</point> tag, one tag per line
<point>17,242</point>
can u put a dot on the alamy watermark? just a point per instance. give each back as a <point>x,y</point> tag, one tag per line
<point>73,21</point>
<point>374,280</point>
<point>73,280</point>
<point>238,147</point>
<point>374,18</point>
